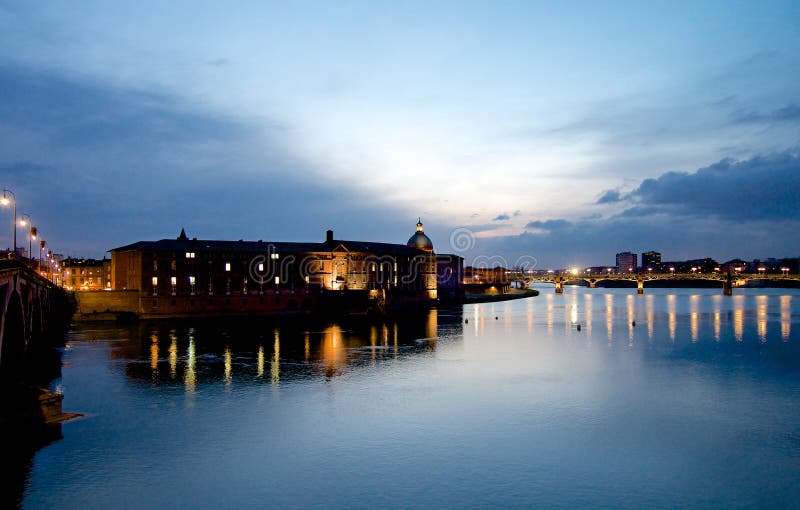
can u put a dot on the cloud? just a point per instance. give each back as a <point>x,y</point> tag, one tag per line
<point>549,225</point>
<point>502,217</point>
<point>765,187</point>
<point>746,208</point>
<point>789,114</point>
<point>99,166</point>
<point>609,196</point>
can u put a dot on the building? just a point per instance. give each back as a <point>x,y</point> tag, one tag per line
<point>86,274</point>
<point>184,276</point>
<point>626,262</point>
<point>651,260</point>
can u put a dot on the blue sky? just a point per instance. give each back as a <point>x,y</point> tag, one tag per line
<point>560,131</point>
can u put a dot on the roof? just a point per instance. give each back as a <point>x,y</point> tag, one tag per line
<point>195,245</point>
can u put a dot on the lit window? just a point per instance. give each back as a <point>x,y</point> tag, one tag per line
<point>227,266</point>
<point>274,256</point>
<point>155,281</point>
<point>260,268</point>
<point>189,254</point>
<point>191,280</point>
<point>173,265</point>
<point>277,280</point>
<point>174,281</point>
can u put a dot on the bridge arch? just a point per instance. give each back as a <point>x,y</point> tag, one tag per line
<point>12,335</point>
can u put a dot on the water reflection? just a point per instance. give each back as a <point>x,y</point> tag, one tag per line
<point>238,351</point>
<point>786,317</point>
<point>738,317</point>
<point>761,317</point>
<point>673,321</point>
<point>610,317</point>
<point>694,316</point>
<point>285,351</point>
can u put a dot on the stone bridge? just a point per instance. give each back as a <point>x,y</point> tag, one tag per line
<point>34,310</point>
<point>728,280</point>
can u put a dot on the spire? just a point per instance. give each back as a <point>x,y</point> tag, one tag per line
<point>183,237</point>
<point>419,225</point>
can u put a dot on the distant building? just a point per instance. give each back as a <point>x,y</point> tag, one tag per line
<point>651,260</point>
<point>86,274</point>
<point>183,276</point>
<point>626,262</point>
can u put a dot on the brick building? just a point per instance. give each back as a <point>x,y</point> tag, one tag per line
<point>183,275</point>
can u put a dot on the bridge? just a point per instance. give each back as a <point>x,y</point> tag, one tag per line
<point>34,310</point>
<point>560,278</point>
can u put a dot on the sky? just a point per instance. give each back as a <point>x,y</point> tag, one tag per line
<point>558,133</point>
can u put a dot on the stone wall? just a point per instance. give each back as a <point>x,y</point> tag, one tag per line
<point>106,305</point>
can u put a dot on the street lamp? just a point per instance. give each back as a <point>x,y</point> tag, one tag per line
<point>5,200</point>
<point>25,220</point>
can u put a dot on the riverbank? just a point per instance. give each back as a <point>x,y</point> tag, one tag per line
<point>489,298</point>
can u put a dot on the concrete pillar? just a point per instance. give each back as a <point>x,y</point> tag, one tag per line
<point>640,286</point>
<point>727,285</point>
<point>559,285</point>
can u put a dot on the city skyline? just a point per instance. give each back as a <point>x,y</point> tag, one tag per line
<point>560,133</point>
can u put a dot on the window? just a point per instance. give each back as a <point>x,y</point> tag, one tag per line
<point>155,281</point>
<point>174,281</point>
<point>227,266</point>
<point>189,254</point>
<point>277,280</point>
<point>191,280</point>
<point>261,268</point>
<point>274,256</point>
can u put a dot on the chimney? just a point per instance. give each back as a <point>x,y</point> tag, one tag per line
<point>329,236</point>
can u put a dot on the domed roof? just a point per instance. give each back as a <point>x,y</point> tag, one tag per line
<point>419,240</point>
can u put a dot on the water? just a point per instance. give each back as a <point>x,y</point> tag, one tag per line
<point>497,405</point>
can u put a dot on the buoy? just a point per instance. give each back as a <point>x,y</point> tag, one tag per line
<point>579,327</point>
<point>633,323</point>
<point>466,321</point>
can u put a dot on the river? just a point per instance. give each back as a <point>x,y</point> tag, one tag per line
<point>595,398</point>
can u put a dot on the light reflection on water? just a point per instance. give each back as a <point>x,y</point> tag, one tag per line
<point>681,396</point>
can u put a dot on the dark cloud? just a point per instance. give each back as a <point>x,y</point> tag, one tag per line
<point>486,227</point>
<point>789,113</point>
<point>763,187</point>
<point>609,196</point>
<point>549,225</point>
<point>502,217</point>
<point>99,166</point>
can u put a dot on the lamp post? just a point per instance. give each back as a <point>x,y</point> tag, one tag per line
<point>42,244</point>
<point>5,200</point>
<point>25,220</point>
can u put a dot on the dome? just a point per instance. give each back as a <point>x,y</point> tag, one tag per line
<point>419,240</point>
